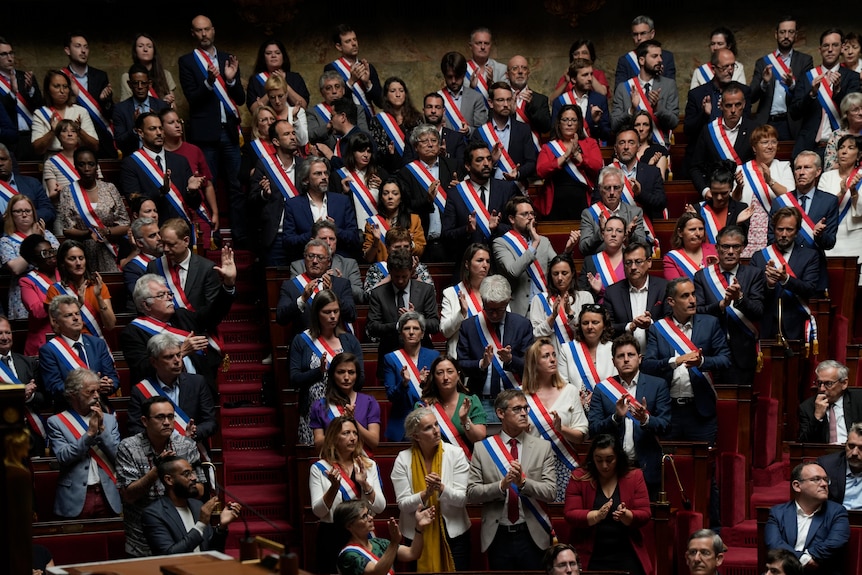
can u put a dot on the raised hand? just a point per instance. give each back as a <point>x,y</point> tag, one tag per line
<point>227,269</point>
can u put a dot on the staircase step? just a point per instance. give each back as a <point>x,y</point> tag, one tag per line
<point>240,392</point>
<point>243,353</point>
<point>250,438</point>
<point>741,535</point>
<point>245,313</point>
<point>255,495</point>
<point>249,417</point>
<point>768,496</point>
<point>255,468</point>
<point>739,560</point>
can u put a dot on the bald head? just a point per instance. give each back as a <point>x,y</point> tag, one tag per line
<point>723,65</point>
<point>203,32</point>
<point>518,72</point>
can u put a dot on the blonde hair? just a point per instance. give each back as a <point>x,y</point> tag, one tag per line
<point>530,381</point>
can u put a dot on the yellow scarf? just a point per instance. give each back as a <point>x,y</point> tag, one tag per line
<point>436,556</point>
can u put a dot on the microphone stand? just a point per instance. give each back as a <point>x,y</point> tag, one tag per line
<point>662,494</point>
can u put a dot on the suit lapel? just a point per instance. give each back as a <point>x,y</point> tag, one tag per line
<point>816,521</point>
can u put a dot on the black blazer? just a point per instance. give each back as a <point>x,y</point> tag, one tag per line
<point>813,431</point>
<point>416,193</point>
<point>287,310</point>
<point>799,64</point>
<point>539,113</point>
<point>204,105</point>
<point>383,316</point>
<point>195,400</point>
<point>166,534</point>
<point>807,110</point>
<point>455,215</point>
<point>521,147</point>
<point>452,141</point>
<point>805,264</point>
<point>134,180</point>
<point>517,332</point>
<point>652,198</point>
<point>705,153</point>
<point>203,283</point>
<point>269,211</point>
<point>97,80</point>
<point>835,466</point>
<point>124,123</point>
<point>620,306</point>
<point>696,120</point>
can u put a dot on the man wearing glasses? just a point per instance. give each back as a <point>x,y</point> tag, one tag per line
<point>561,559</point>
<point>20,97</point>
<point>126,111</point>
<point>827,416</point>
<point>593,218</point>
<point>705,552</point>
<point>12,183</point>
<point>810,526</point>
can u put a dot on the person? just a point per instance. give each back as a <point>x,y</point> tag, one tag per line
<point>643,181</point>
<point>461,301</point>
<point>358,74</point>
<point>13,181</point>
<point>452,142</point>
<point>721,209</point>
<point>260,145</point>
<point>492,344</point>
<point>782,562</point>
<point>704,552</point>
<point>178,522</point>
<point>510,142</point>
<point>398,117</point>
<point>188,392</point>
<point>20,97</point>
<point>634,408</point>
<point>593,104</point>
<point>361,177</point>
<point>850,51</point>
<point>320,129</point>
<point>277,91</point>
<point>19,222</point>
<point>511,475</point>
<point>636,301</point>
<point>404,371</point>
<point>59,105</point>
<point>764,178</point>
<point>93,213</point>
<point>22,370</point>
<point>608,506</point>
<point>342,266</point>
<point>842,181</point>
<point>459,414</point>
<point>603,269</point>
<point>827,416</point>
<point>93,91</point>
<point>594,218</point>
<point>145,233</point>
<point>643,30</point>
<point>465,110</point>
<point>397,238</point>
<point>312,351</point>
<point>482,70</point>
<point>344,124</point>
<point>569,164</point>
<point>343,474</point>
<point>211,83</point>
<point>818,94</point>
<point>774,80</point>
<point>366,554</point>
<point>720,38</point>
<point>41,256</point>
<point>651,90</point>
<point>809,511</point>
<point>432,473</point>
<point>588,359</point>
<point>556,413</point>
<point>584,49</point>
<point>649,150</point>
<point>692,251</point>
<point>343,378</point>
<point>137,471</point>
<point>140,101</point>
<point>273,60</point>
<point>162,84</point>
<point>531,107</point>
<point>734,293</point>
<point>851,123</point>
<point>85,440</point>
<point>791,272</point>
<point>392,213</point>
<point>79,280</point>
<point>522,255</point>
<point>59,170</point>
<point>561,558</point>
<point>843,468</point>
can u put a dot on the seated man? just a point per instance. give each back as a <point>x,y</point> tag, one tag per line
<point>188,392</point>
<point>145,232</point>
<point>844,468</point>
<point>126,111</point>
<point>826,417</point>
<point>85,441</point>
<point>342,266</point>
<point>782,562</point>
<point>178,522</point>
<point>12,183</point>
<point>610,184</point>
<point>824,523</point>
<point>705,552</point>
<point>137,475</point>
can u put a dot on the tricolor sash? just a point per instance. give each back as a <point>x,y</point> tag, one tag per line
<point>360,191</point>
<point>274,170</point>
<point>599,209</point>
<point>789,200</point>
<point>365,553</point>
<point>7,191</point>
<point>20,103</point>
<point>705,73</point>
<point>359,96</point>
<point>844,201</point>
<point>634,86</point>
<point>319,347</point>
<point>88,315</point>
<point>810,328</point>
<point>141,260</point>
<point>180,299</point>
<point>324,111</point>
<point>448,431</point>
<point>453,113</point>
<point>89,216</point>
<point>521,115</point>
<point>632,61</point>
<point>719,138</point>
<point>78,428</point>
<point>68,357</point>
<point>41,281</point>
<point>680,343</point>
<point>754,177</point>
<point>204,61</point>
<point>613,390</point>
<point>508,379</point>
<point>153,326</point>
<point>33,418</point>
<point>425,179</point>
<point>262,77</point>
<point>711,221</point>
<point>481,80</point>
<point>348,489</point>
<point>824,98</point>
<point>605,268</point>
<point>682,261</point>
<point>90,103</point>
<point>157,177</point>
<point>519,245</point>
<point>584,364</point>
<point>491,139</point>
<point>333,411</point>
<point>404,360</point>
<point>47,114</point>
<point>628,196</point>
<point>717,284</point>
<point>383,268</point>
<point>65,167</point>
<point>544,424</point>
<point>569,98</point>
<point>16,237</point>
<point>301,281</point>
<point>150,389</point>
<point>474,302</point>
<point>779,68</point>
<point>382,226</point>
<point>562,330</point>
<point>558,148</point>
<point>475,206</point>
<point>390,126</point>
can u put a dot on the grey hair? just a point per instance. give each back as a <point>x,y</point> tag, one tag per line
<point>495,288</point>
<point>329,75</point>
<point>411,422</point>
<point>54,306</point>
<point>347,512</point>
<point>843,372</point>
<point>851,100</point>
<point>501,402</point>
<point>305,169</point>
<point>317,243</point>
<point>817,161</point>
<point>610,171</point>
<point>142,291</point>
<point>855,428</point>
<point>642,19</point>
<point>717,544</point>
<point>76,379</point>
<point>422,130</point>
<point>408,316</point>
<point>140,223</point>
<point>161,343</point>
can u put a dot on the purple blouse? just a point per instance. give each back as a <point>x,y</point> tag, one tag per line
<point>367,411</point>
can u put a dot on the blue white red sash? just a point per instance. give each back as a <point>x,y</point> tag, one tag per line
<point>789,200</point>
<point>324,111</point>
<point>605,268</point>
<point>390,126</point>
<point>89,216</point>
<point>562,330</point>
<point>599,209</point>
<point>628,196</point>
<point>157,177</point>
<point>348,489</point>
<point>491,139</point>
<point>824,97</point>
<point>710,220</point>
<point>88,315</point>
<point>569,98</point>
<point>332,410</point>
<point>558,148</point>
<point>180,299</point>
<point>262,77</point>
<point>685,263</point>
<point>481,80</point>
<point>779,68</point>
<point>48,114</point>
<point>274,170</point>
<point>507,378</point>
<point>319,347</point>
<point>717,284</point>
<point>153,326</point>
<point>844,202</point>
<point>150,389</point>
<point>382,226</point>
<point>810,328</point>
<point>359,96</point>
<point>16,237</point>
<point>474,302</point>
<point>204,61</point>
<point>632,60</point>
<point>383,268</point>
<point>425,179</point>
<point>584,364</point>
<point>41,281</point>
<point>634,85</point>
<point>722,144</point>
<point>360,191</point>
<point>680,343</point>
<point>365,553</point>
<point>453,113</point>
<point>448,431</point>
<point>475,206</point>
<point>301,281</point>
<point>7,191</point>
<point>20,103</point>
<point>613,390</point>
<point>90,103</point>
<point>705,73</point>
<point>65,167</point>
<point>544,424</point>
<point>141,260</point>
<point>78,428</point>
<point>8,376</point>
<point>68,357</point>
<point>521,115</point>
<point>755,180</point>
<point>405,361</point>
<point>519,245</point>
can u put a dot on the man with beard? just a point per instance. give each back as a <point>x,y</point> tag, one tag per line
<point>594,106</point>
<point>465,108</point>
<point>642,180</point>
<point>510,141</point>
<point>845,469</point>
<point>360,76</point>
<point>643,29</point>
<point>145,233</point>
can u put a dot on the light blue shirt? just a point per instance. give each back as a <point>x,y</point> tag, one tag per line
<point>435,226</point>
<point>853,490</point>
<point>779,95</point>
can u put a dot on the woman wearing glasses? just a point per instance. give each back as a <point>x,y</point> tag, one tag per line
<point>41,256</point>
<point>588,360</point>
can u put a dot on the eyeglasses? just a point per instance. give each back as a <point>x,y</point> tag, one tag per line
<point>593,307</point>
<point>8,54</point>
<point>705,553</point>
<point>817,479</point>
<point>163,417</point>
<point>520,409</point>
<point>22,212</point>
<point>163,295</point>
<point>49,253</point>
<point>730,247</point>
<point>726,67</point>
<point>828,384</point>
<point>316,257</point>
<point>630,263</point>
<point>527,214</point>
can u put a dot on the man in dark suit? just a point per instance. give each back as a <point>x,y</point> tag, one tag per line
<point>145,233</point>
<point>791,272</point>
<point>317,202</point>
<point>452,142</point>
<point>126,111</point>
<point>387,303</point>
<point>637,301</point>
<point>724,138</point>
<point>828,529</point>
<point>210,80</point>
<point>733,293</point>
<point>644,180</point>
<point>531,107</point>
<point>844,468</point>
<point>25,185</point>
<point>807,107</point>
<point>610,186</point>
<point>358,74</point>
<point>720,206</point>
<point>775,77</point>
<point>594,106</point>
<point>507,138</point>
<point>20,98</point>
<point>319,129</point>
<point>343,123</point>
<point>187,391</point>
<point>827,416</point>
<point>166,528</point>
<point>93,90</point>
<point>22,370</point>
<point>648,403</point>
<point>643,29</point>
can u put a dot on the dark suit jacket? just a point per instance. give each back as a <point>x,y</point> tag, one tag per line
<point>655,390</point>
<point>417,194</point>
<point>813,431</point>
<point>455,215</point>
<point>620,306</point>
<point>166,534</point>
<point>32,188</point>
<point>742,345</point>
<point>204,106</point>
<point>799,64</point>
<point>652,198</point>
<point>601,130</point>
<point>804,263</point>
<point>54,373</point>
<point>521,147</point>
<point>705,153</point>
<point>195,400</point>
<point>827,536</point>
<point>517,332</point>
<point>135,180</point>
<point>624,70</point>
<point>835,466</point>
<point>375,94</point>
<point>298,221</point>
<point>383,316</point>
<point>203,283</point>
<point>695,120</point>
<point>539,114</point>
<point>8,130</point>
<point>33,101</point>
<point>807,110</point>
<point>97,80</point>
<point>287,310</point>
<point>706,334</point>
<point>124,123</point>
<point>27,369</point>
<point>269,211</point>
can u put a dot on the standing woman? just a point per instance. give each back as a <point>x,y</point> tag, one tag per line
<point>144,52</point>
<point>93,213</point>
<point>433,473</point>
<point>344,473</point>
<point>554,314</point>
<point>278,97</point>
<point>588,360</point>
<point>843,181</point>
<point>361,177</point>
<point>459,413</point>
<point>555,412</point>
<point>42,257</point>
<point>649,150</point>
<point>254,150</point>
<point>60,104</point>
<point>462,301</point>
<point>391,128</point>
<point>691,250</point>
<point>273,60</point>
<point>392,211</point>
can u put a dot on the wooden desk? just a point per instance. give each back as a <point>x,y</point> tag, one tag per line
<point>154,565</point>
<point>210,568</point>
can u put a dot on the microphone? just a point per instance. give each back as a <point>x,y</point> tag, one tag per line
<point>662,496</point>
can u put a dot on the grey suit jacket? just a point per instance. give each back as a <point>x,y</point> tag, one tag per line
<point>166,534</point>
<point>349,270</point>
<point>591,241</point>
<point>473,109</point>
<point>515,269</point>
<point>539,467</point>
<point>667,110</point>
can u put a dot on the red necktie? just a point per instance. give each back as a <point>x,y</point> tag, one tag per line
<point>833,425</point>
<point>512,502</point>
<point>175,275</point>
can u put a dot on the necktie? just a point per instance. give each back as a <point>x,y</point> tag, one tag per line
<point>512,501</point>
<point>727,276</point>
<point>402,299</point>
<point>7,359</point>
<point>482,196</point>
<point>833,425</point>
<point>79,349</point>
<point>647,88</point>
<point>159,163</point>
<point>803,201</point>
<point>175,275</point>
